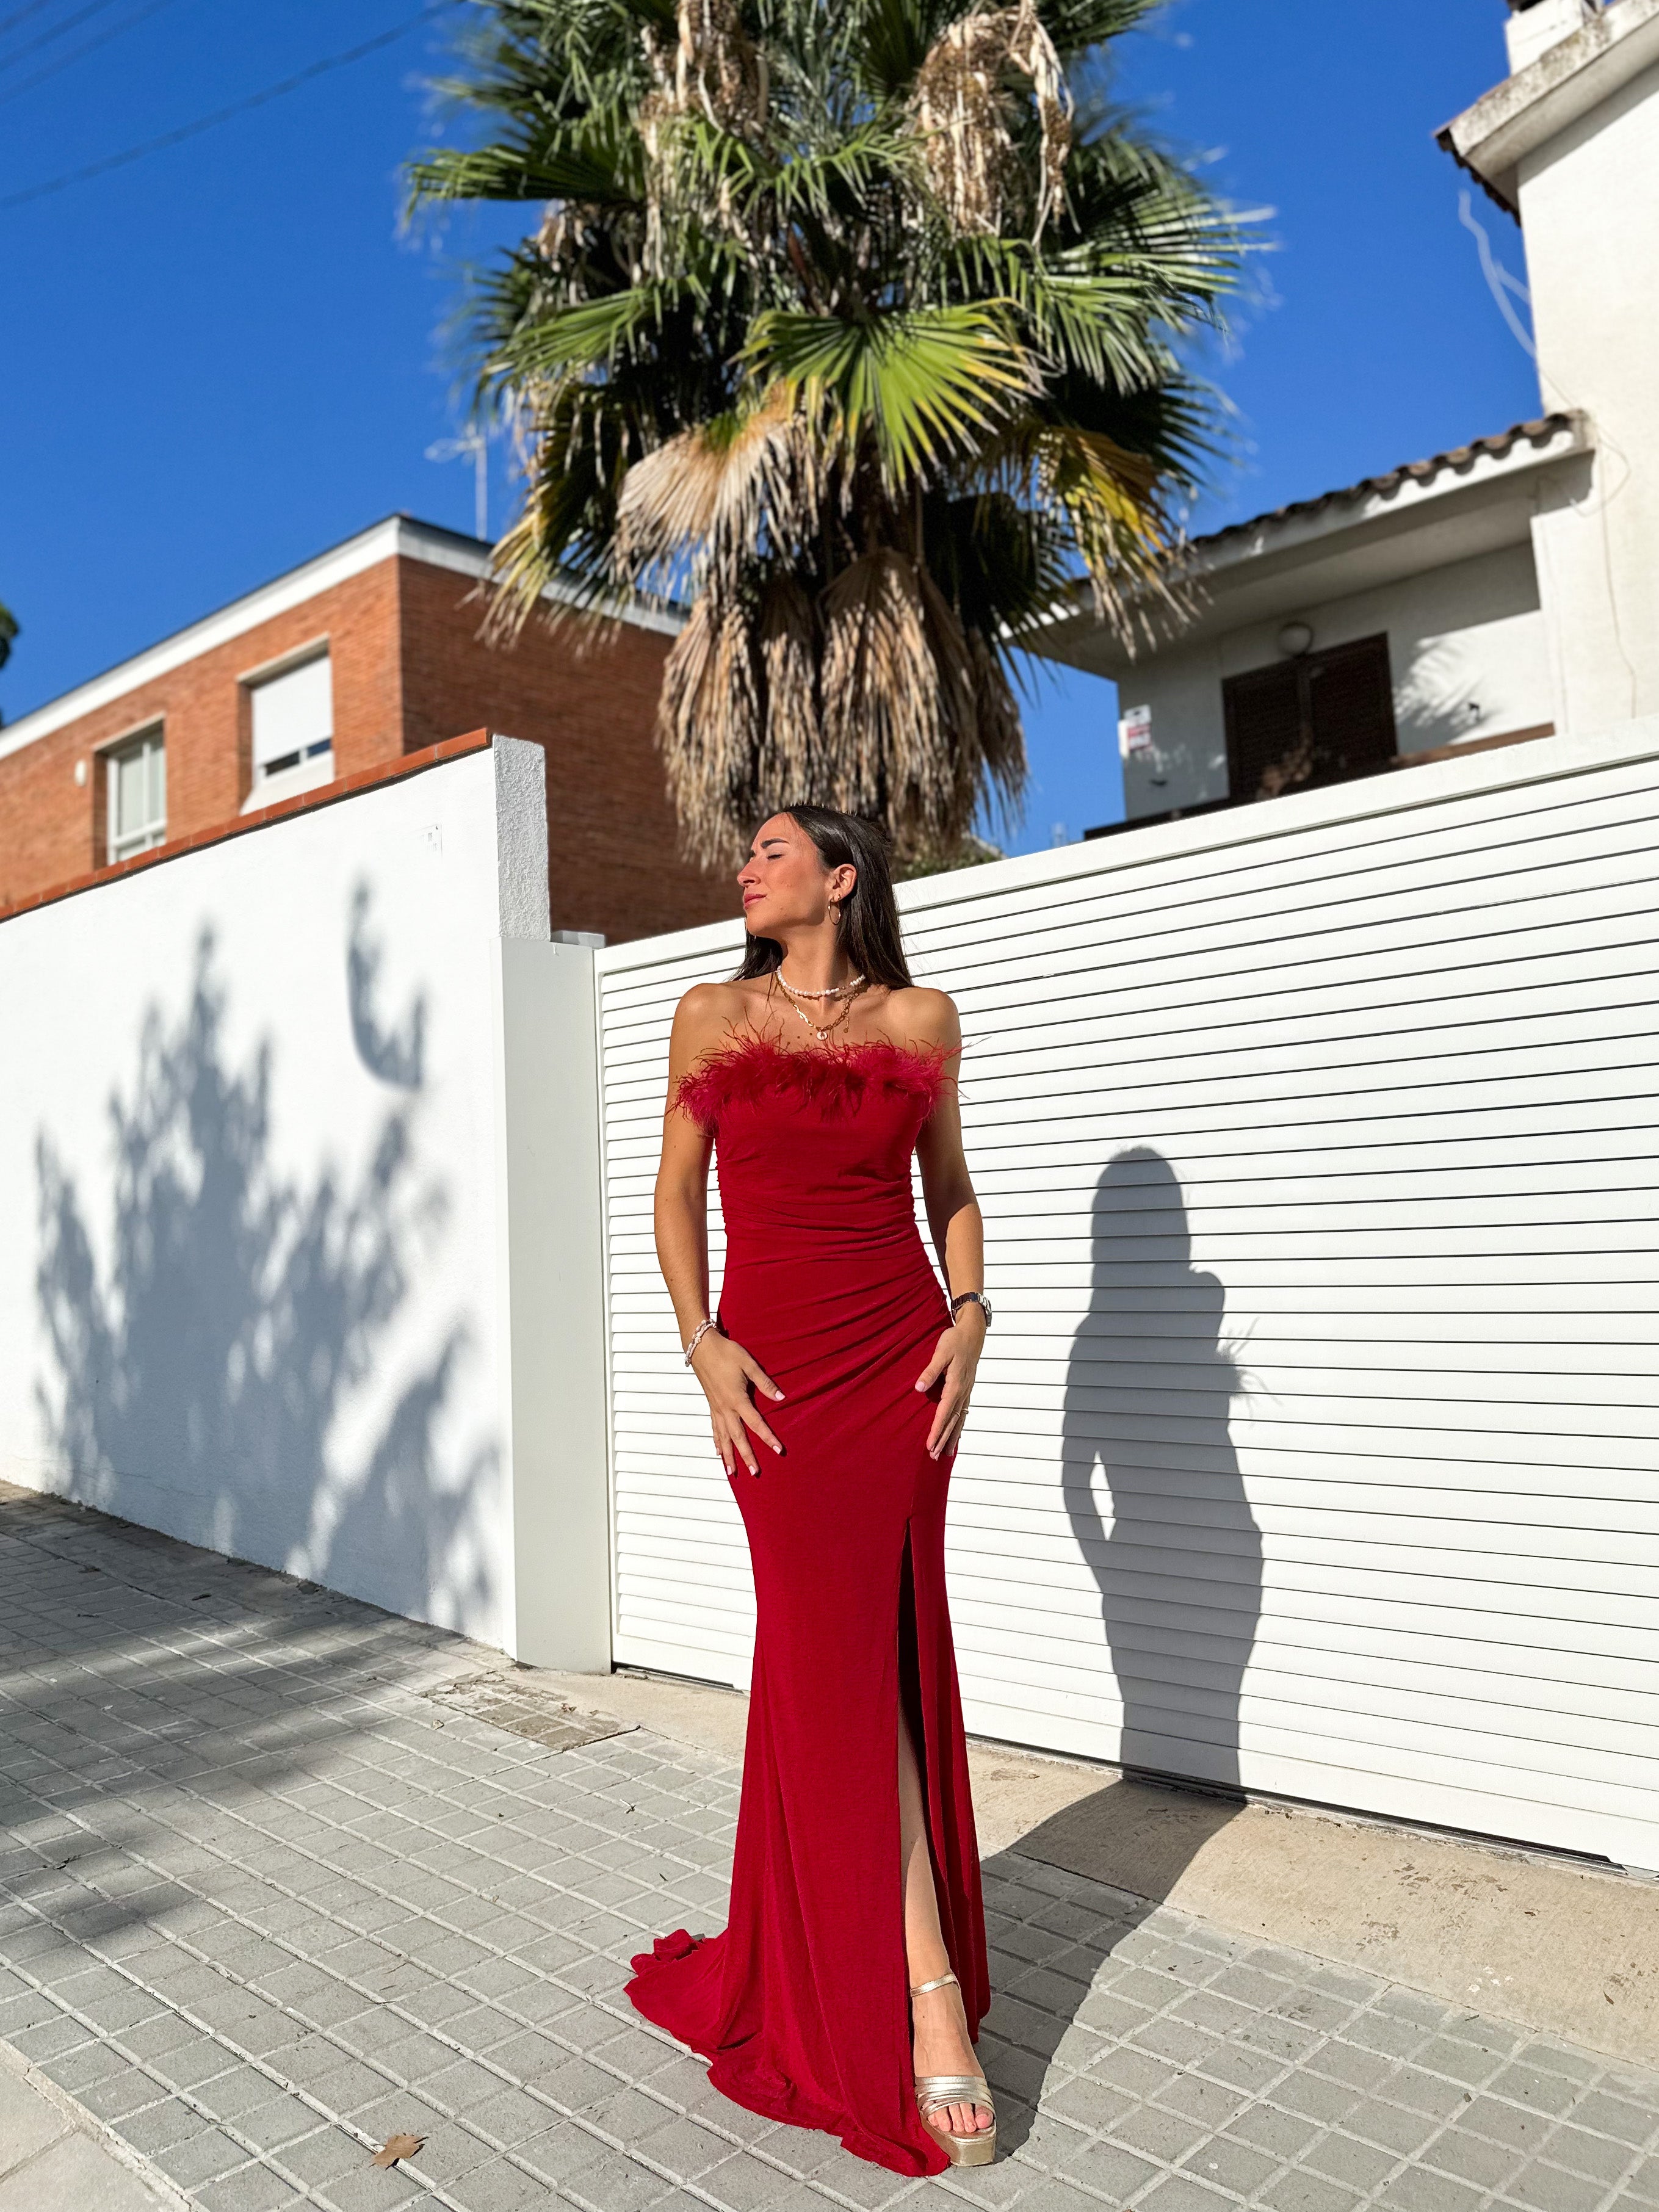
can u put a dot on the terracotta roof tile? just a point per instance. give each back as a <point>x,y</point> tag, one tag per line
<point>1536,433</point>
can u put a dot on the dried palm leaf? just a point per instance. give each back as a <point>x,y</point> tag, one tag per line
<point>708,729</point>
<point>722,495</point>
<point>792,744</point>
<point>965,114</point>
<point>886,737</point>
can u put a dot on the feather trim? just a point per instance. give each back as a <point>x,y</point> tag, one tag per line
<point>830,1077</point>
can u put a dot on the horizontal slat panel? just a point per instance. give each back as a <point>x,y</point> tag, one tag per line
<point>1316,1445</point>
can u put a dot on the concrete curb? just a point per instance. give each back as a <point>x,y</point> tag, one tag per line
<point>70,2193</point>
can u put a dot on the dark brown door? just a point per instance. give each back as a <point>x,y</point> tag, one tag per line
<point>1320,717</point>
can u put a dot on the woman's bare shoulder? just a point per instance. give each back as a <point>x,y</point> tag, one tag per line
<point>924,1016</point>
<point>706,1013</point>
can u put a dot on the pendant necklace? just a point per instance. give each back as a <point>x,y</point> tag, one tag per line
<point>853,991</point>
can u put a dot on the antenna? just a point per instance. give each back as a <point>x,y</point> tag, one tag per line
<point>472,443</point>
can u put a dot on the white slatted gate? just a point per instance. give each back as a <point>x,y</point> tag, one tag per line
<point>1314,1446</point>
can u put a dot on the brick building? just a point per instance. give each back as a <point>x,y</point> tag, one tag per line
<point>369,652</point>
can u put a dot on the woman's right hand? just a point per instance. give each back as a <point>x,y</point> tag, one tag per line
<point>726,1371</point>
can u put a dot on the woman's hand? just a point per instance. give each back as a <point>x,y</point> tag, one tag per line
<point>726,1370</point>
<point>956,1356</point>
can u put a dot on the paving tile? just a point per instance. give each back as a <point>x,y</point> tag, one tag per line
<point>1598,2158</point>
<point>199,2158</point>
<point>1531,2086</point>
<point>1344,2158</point>
<point>1109,2169</point>
<point>157,2128</point>
<point>1228,2164</point>
<point>424,1924</point>
<point>497,2185</point>
<point>1545,2188</point>
<point>622,2185</point>
<point>1282,2134</point>
<point>1415,2189</point>
<point>1299,2190</point>
<point>250,2189</point>
<point>1089,2104</point>
<point>1179,2192</point>
<point>1467,2156</point>
<point>1158,2133</point>
<point>683,2148</point>
<point>1629,2122</point>
<point>1391,2127</point>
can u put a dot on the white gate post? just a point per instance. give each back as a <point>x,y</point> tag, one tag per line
<point>549,1204</point>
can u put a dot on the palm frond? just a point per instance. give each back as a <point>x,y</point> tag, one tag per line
<point>921,385</point>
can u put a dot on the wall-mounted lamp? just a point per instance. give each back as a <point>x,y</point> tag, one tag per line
<point>1296,639</point>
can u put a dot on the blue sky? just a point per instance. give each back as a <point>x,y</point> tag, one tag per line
<point>222,358</point>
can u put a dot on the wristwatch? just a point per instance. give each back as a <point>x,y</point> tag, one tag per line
<point>972,1299</point>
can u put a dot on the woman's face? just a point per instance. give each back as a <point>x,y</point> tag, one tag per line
<point>784,882</point>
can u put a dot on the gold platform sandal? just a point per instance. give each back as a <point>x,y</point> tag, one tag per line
<point>935,2091</point>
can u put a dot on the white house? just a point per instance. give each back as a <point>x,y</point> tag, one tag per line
<point>1499,592</point>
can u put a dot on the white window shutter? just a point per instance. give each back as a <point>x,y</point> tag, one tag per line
<point>293,715</point>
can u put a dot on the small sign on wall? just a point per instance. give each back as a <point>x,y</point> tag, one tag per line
<point>1135,731</point>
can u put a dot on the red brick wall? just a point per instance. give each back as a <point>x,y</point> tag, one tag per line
<point>408,670</point>
<point>611,858</point>
<point>52,829</point>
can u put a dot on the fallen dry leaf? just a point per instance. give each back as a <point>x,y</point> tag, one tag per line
<point>397,2146</point>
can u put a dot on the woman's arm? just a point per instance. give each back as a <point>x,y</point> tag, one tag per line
<point>681,1215</point>
<point>958,1228</point>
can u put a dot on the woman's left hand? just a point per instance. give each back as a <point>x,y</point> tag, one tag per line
<point>955,1357</point>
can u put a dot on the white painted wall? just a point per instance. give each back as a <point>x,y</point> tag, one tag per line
<point>1465,641</point>
<point>1589,209</point>
<point>269,1121</point>
<point>1314,1443</point>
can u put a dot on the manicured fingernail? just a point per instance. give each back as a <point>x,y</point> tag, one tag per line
<point>777,1448</point>
<point>777,1393</point>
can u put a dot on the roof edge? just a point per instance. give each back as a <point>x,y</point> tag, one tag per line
<point>395,536</point>
<point>1535,104</point>
<point>1314,528</point>
<point>1567,432</point>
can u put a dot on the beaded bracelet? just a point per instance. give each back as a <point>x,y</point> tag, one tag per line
<point>697,1336</point>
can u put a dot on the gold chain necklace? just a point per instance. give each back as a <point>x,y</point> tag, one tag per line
<point>828,1026</point>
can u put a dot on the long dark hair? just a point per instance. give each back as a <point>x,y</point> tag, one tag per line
<point>869,930</point>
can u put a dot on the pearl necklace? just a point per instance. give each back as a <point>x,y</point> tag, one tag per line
<point>828,1026</point>
<point>834,990</point>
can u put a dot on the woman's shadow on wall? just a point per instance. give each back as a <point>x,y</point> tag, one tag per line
<point>1156,1501</point>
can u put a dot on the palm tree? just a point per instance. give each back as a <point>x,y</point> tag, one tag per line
<point>8,632</point>
<point>850,326</point>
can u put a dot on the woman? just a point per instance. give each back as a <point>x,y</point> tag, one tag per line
<point>849,1986</point>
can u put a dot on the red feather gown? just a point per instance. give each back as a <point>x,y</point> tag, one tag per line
<point>801,2005</point>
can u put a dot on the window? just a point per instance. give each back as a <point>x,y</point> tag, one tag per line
<point>1319,718</point>
<point>135,794</point>
<point>294,729</point>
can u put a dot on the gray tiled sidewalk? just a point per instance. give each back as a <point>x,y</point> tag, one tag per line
<point>263,1904</point>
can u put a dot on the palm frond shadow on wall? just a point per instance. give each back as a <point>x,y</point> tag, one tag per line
<point>212,1376</point>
